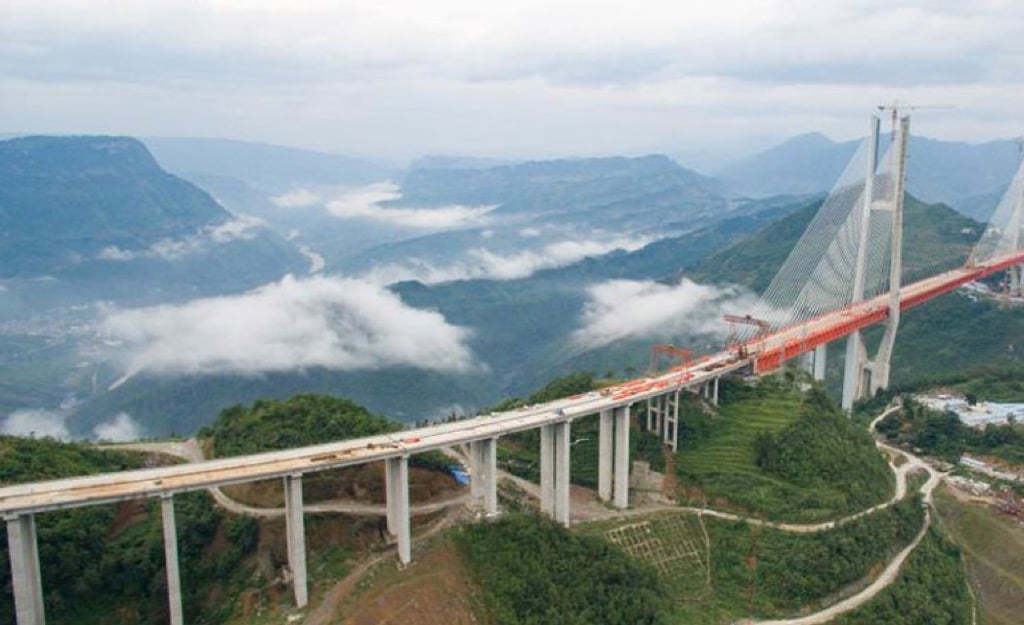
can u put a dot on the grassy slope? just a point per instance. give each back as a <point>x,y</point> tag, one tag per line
<point>993,545</point>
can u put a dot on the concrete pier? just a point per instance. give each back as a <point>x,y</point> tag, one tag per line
<point>561,447</point>
<point>485,474</point>
<point>547,469</point>
<point>170,561</point>
<point>25,574</point>
<point>820,360</point>
<point>398,505</point>
<point>604,456</point>
<point>670,435</point>
<point>295,528</point>
<point>476,477</point>
<point>621,464</point>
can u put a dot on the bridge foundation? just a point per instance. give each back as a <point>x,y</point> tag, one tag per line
<point>26,580</point>
<point>170,561</point>
<point>398,505</point>
<point>295,530</point>
<point>604,455</point>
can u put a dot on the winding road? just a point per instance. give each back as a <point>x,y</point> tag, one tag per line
<point>892,570</point>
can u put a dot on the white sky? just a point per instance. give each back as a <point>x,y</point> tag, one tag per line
<point>400,78</point>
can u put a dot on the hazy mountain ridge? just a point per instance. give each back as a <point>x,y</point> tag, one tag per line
<point>951,172</point>
<point>67,198</point>
<point>269,168</point>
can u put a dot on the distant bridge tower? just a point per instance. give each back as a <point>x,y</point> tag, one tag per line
<point>863,376</point>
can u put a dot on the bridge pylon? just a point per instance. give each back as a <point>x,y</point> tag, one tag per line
<point>863,376</point>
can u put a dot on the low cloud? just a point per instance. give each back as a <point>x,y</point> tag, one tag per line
<point>344,324</point>
<point>481,263</point>
<point>242,228</point>
<point>119,429</point>
<point>37,423</point>
<point>621,309</point>
<point>299,198</point>
<point>365,203</point>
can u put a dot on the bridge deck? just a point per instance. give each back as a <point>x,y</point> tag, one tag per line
<point>763,354</point>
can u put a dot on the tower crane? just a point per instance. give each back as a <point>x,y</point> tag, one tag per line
<point>895,107</point>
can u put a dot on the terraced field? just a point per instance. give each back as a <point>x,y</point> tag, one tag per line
<point>730,449</point>
<point>721,471</point>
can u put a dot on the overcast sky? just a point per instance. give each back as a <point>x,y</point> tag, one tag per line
<point>399,78</point>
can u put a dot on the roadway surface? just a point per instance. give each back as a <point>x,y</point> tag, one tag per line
<point>761,355</point>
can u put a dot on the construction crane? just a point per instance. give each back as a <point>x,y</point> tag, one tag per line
<point>763,327</point>
<point>895,107</point>
<point>685,356</point>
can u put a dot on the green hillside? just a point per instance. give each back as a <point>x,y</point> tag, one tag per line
<point>771,450</point>
<point>934,240</point>
<point>103,565</point>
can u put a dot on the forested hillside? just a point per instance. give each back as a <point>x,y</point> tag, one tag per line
<point>103,565</point>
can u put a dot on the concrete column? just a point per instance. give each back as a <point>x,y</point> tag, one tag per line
<point>604,456</point>
<point>853,370</point>
<point>820,359</point>
<point>561,435</point>
<point>806,361</point>
<point>389,485</point>
<point>295,529</point>
<point>650,415</point>
<point>621,471</point>
<point>714,392</point>
<point>477,479</point>
<point>171,561</point>
<point>670,435</point>
<point>547,468</point>
<point>489,463</point>
<point>398,504</point>
<point>26,579</point>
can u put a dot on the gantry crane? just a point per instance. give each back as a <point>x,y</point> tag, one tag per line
<point>685,356</point>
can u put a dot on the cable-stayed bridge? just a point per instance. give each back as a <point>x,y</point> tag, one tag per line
<point>845,274</point>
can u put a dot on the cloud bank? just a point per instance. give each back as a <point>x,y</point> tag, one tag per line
<point>344,324</point>
<point>119,429</point>
<point>42,423</point>
<point>620,309</point>
<point>299,198</point>
<point>37,423</point>
<point>242,228</point>
<point>365,203</point>
<point>482,263</point>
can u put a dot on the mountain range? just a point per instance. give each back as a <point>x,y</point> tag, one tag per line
<point>968,177</point>
<point>533,269</point>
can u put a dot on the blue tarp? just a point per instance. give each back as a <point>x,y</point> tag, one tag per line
<point>460,474</point>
